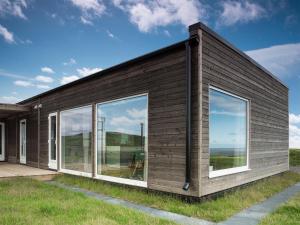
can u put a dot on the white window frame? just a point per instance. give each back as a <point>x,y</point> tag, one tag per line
<point>223,172</point>
<point>52,163</point>
<point>118,179</point>
<point>2,156</point>
<point>23,161</point>
<point>68,171</point>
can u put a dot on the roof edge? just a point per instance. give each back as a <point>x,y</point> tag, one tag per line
<point>193,31</point>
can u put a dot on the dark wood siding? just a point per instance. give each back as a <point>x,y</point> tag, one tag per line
<point>226,69</point>
<point>11,140</point>
<point>163,77</point>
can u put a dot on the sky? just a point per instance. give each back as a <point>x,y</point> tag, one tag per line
<point>227,122</point>
<point>44,44</point>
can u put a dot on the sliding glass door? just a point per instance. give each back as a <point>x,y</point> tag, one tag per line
<point>122,136</point>
<point>76,141</point>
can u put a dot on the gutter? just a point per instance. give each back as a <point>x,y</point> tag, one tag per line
<point>188,136</point>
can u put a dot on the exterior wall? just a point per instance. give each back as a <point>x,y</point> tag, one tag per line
<point>224,68</point>
<point>11,145</point>
<point>163,77</point>
<point>12,125</point>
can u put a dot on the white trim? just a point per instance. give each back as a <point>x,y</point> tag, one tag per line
<point>23,158</point>
<point>52,163</point>
<point>118,179</point>
<point>2,156</point>
<point>73,172</point>
<point>122,180</point>
<point>218,173</point>
<point>227,93</point>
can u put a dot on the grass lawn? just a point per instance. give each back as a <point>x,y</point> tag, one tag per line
<point>26,201</point>
<point>294,157</point>
<point>287,214</point>
<point>213,210</point>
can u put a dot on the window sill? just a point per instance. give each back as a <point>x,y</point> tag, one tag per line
<point>122,181</point>
<point>77,173</point>
<point>219,173</point>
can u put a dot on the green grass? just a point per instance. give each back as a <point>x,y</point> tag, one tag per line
<point>294,157</point>
<point>287,214</point>
<point>26,201</point>
<point>224,162</point>
<point>214,210</point>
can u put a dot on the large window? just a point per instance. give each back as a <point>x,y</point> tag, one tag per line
<point>122,131</point>
<point>228,133</point>
<point>76,140</point>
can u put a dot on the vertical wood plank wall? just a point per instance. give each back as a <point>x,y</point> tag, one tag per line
<point>163,77</point>
<point>224,68</point>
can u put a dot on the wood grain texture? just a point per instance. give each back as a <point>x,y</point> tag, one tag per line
<point>163,77</point>
<point>222,67</point>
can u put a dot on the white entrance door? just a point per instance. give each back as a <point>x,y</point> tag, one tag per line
<point>52,140</point>
<point>23,141</point>
<point>2,142</point>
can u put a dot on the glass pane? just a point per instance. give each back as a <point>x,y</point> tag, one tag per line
<point>122,138</point>
<point>1,138</point>
<point>53,137</point>
<point>76,139</point>
<point>227,131</point>
<point>23,138</point>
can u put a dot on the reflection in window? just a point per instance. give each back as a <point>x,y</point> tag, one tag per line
<point>122,138</point>
<point>227,130</point>
<point>76,139</point>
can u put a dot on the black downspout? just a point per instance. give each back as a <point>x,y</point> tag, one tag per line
<point>188,137</point>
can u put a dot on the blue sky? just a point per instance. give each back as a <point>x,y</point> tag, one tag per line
<point>227,122</point>
<point>44,44</point>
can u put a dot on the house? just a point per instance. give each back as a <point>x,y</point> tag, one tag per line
<point>194,118</point>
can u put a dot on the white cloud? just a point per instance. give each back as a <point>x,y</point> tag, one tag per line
<point>240,12</point>
<point>42,86</point>
<point>13,7</point>
<point>44,79</point>
<point>70,62</point>
<point>148,15</point>
<point>110,34</point>
<point>226,113</point>
<point>47,70</point>
<point>294,119</point>
<point>9,99</point>
<point>68,79</point>
<point>8,36</point>
<point>23,83</point>
<point>136,113</point>
<point>89,9</point>
<point>116,121</point>
<point>281,60</point>
<point>86,21</point>
<point>27,41</point>
<point>294,130</point>
<point>167,33</point>
<point>11,75</point>
<point>85,71</point>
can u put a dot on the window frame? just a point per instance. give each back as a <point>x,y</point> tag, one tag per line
<point>119,179</point>
<point>224,172</point>
<point>68,171</point>
<point>52,164</point>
